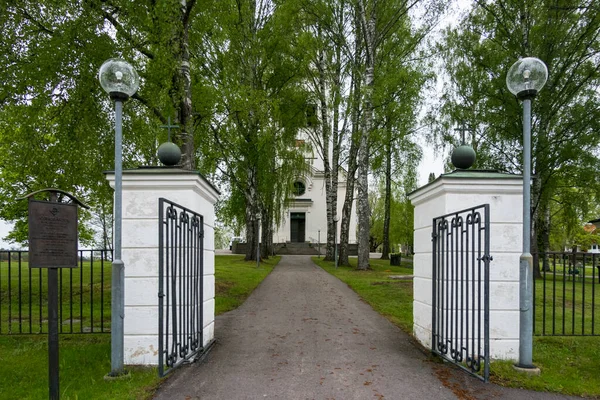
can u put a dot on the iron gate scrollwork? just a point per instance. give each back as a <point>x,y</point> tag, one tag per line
<point>180,293</point>
<point>461,258</point>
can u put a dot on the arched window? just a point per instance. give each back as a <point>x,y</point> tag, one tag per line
<point>299,188</point>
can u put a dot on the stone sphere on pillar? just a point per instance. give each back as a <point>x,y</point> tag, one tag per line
<point>169,154</point>
<point>463,157</point>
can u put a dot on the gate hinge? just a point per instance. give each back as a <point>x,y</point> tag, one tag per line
<point>486,258</point>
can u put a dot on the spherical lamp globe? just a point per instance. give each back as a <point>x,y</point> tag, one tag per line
<point>526,77</point>
<point>118,78</point>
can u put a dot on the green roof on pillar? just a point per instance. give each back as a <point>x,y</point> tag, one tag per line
<point>480,173</point>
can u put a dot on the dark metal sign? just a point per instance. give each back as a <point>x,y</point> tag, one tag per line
<point>52,235</point>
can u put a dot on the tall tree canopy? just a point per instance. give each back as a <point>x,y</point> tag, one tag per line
<point>237,77</point>
<point>224,71</point>
<point>566,113</point>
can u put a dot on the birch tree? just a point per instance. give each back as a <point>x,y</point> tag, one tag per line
<point>379,23</point>
<point>252,63</point>
<point>328,76</point>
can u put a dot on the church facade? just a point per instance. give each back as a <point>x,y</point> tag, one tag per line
<point>305,218</point>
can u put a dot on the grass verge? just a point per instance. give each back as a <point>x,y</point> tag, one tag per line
<point>569,365</point>
<point>390,297</point>
<point>85,359</point>
<point>235,279</point>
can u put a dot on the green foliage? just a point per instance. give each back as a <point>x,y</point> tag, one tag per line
<point>401,218</point>
<point>257,107</point>
<point>584,238</point>
<point>569,209</point>
<point>477,54</point>
<point>55,121</point>
<point>49,108</point>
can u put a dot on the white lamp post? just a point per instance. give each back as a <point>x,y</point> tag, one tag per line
<point>120,81</point>
<point>335,221</point>
<point>524,79</point>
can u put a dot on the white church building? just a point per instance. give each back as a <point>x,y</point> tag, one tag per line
<point>305,219</point>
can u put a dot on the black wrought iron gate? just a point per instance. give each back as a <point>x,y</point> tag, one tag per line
<point>180,291</point>
<point>461,258</point>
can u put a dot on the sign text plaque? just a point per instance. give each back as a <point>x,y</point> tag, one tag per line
<point>52,235</point>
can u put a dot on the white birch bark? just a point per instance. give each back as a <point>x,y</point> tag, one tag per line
<point>363,209</point>
<point>183,90</point>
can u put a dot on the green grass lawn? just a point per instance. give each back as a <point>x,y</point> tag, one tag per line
<point>567,306</point>
<point>84,361</point>
<point>569,365</point>
<point>85,358</point>
<point>390,297</point>
<point>236,279</point>
<point>84,298</point>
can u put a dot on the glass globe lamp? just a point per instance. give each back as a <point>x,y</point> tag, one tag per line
<point>118,78</point>
<point>526,77</point>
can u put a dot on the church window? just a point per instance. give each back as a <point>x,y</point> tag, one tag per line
<point>299,188</point>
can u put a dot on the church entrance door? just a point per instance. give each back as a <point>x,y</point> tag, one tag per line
<point>298,227</point>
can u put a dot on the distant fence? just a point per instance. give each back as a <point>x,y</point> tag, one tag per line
<point>84,294</point>
<point>567,295</point>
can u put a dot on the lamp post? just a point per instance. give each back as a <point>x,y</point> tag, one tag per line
<point>319,243</point>
<point>257,240</point>
<point>335,221</point>
<point>524,79</point>
<point>120,81</point>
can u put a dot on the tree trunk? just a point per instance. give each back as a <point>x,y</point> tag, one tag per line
<point>252,210</point>
<point>546,238</point>
<point>183,90</point>
<point>363,209</point>
<point>347,209</point>
<point>335,135</point>
<point>353,152</point>
<point>388,195</point>
<point>536,223</point>
<point>265,233</point>
<point>329,198</point>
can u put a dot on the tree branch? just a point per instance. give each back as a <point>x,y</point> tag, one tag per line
<point>151,107</point>
<point>138,45</point>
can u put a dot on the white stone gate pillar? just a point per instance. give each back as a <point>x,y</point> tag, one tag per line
<point>457,191</point>
<point>141,190</point>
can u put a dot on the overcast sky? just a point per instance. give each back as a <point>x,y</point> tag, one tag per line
<point>4,229</point>
<point>435,162</point>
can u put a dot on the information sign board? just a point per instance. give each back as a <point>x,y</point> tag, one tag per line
<point>52,235</point>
